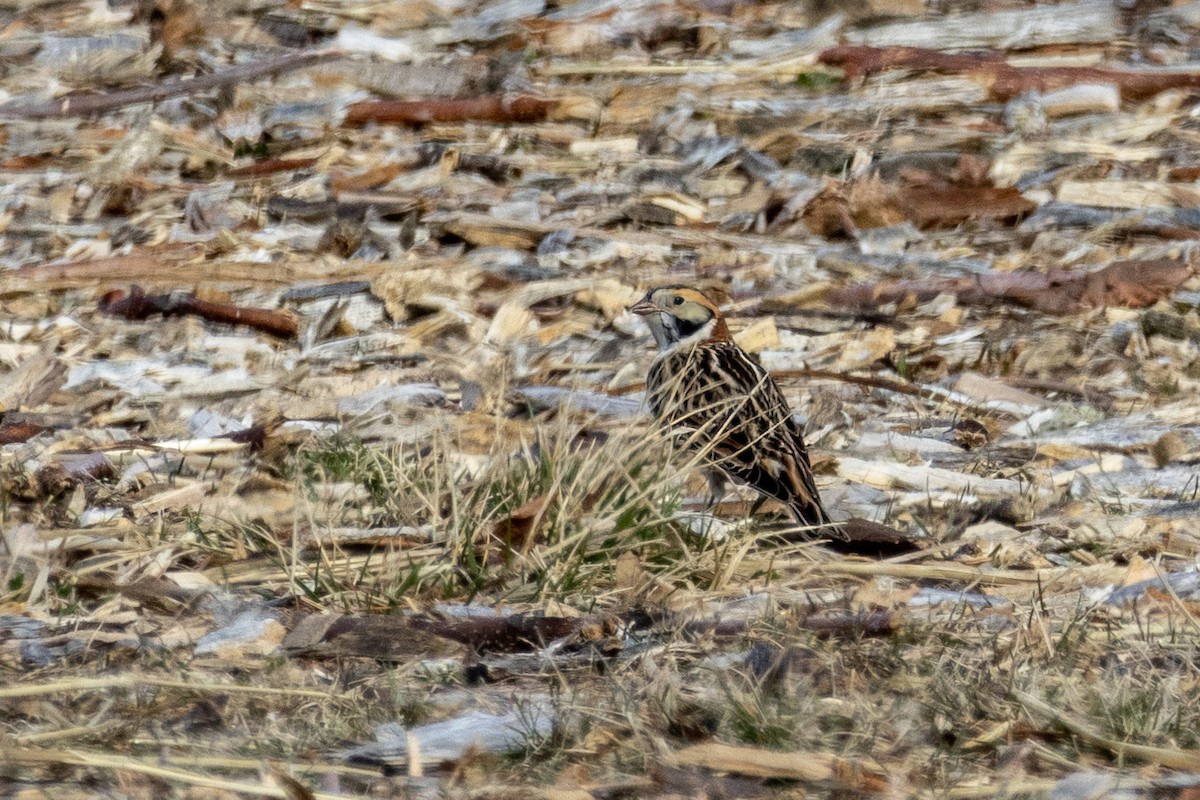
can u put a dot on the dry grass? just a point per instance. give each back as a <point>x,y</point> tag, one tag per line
<point>185,500</point>
<point>1047,680</point>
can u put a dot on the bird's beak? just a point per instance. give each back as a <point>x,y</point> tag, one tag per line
<point>644,307</point>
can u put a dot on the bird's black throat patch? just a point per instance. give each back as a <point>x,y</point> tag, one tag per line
<point>686,327</point>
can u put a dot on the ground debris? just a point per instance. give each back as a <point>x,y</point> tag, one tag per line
<point>137,305</point>
<point>322,414</point>
<point>1004,80</point>
<point>1133,284</point>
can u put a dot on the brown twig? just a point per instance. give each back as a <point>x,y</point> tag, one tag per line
<point>485,108</point>
<point>269,166</point>
<point>138,305</point>
<point>870,623</point>
<point>872,381</point>
<point>142,261</point>
<point>1093,396</point>
<point>1126,284</point>
<point>86,105</point>
<point>1004,81</point>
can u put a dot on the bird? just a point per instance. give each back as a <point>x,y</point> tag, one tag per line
<point>724,404</point>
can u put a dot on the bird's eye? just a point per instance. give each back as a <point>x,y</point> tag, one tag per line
<point>678,300</point>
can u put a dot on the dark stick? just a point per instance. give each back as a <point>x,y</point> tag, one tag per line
<point>138,305</point>
<point>86,105</point>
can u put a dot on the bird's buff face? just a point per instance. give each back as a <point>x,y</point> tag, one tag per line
<point>675,314</point>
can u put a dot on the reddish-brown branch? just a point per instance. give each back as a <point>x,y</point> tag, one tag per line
<point>485,108</point>
<point>857,60</point>
<point>269,166</point>
<point>1009,82</point>
<point>1129,284</point>
<point>138,305</point>
<point>1003,80</point>
<point>932,206</point>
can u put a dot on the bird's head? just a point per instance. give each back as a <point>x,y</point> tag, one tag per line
<point>678,314</point>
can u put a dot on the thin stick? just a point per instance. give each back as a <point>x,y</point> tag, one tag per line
<point>1006,788</point>
<point>130,681</point>
<point>944,571</point>
<point>64,733</point>
<point>1175,597</point>
<point>873,381</point>
<point>90,104</point>
<point>229,762</point>
<point>1166,756</point>
<point>23,755</point>
<point>757,68</point>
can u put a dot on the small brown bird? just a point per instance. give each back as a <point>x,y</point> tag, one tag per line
<point>706,387</point>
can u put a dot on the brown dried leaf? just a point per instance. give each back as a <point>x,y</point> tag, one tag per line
<point>13,432</point>
<point>519,530</point>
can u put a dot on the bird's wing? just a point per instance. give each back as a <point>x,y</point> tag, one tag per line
<point>730,409</point>
<point>759,442</point>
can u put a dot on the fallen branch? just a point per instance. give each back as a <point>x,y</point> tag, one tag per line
<point>30,756</point>
<point>140,681</point>
<point>137,305</point>
<point>1021,26</point>
<point>1095,397</point>
<point>860,60</point>
<point>854,626</point>
<point>845,208</point>
<point>511,634</point>
<point>947,206</point>
<point>1171,757</point>
<point>871,623</point>
<point>73,274</point>
<point>86,105</point>
<point>864,777</point>
<point>485,108</point>
<point>1128,284</point>
<point>1003,80</point>
<point>270,166</point>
